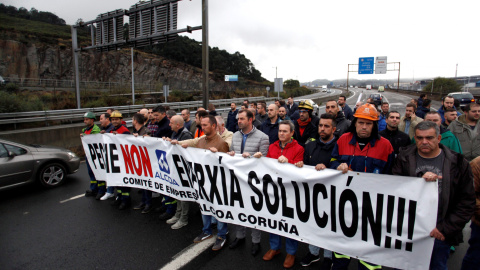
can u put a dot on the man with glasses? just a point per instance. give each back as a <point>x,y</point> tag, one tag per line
<point>305,126</point>
<point>467,130</point>
<point>342,123</point>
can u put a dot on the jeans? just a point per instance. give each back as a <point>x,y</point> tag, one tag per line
<point>221,226</point>
<point>146,197</point>
<point>314,250</point>
<point>472,258</point>
<point>290,244</point>
<point>440,254</point>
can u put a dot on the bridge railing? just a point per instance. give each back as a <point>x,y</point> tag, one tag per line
<point>75,115</point>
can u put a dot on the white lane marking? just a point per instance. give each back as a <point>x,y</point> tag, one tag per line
<point>188,254</point>
<point>72,198</point>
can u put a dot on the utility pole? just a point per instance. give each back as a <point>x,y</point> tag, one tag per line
<point>133,79</point>
<point>75,65</point>
<point>205,53</point>
<point>456,69</point>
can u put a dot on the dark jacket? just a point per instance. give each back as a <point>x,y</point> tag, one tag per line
<point>188,124</point>
<point>164,129</point>
<point>397,138</point>
<point>257,124</point>
<point>182,135</point>
<point>108,128</point>
<point>457,201</point>
<point>441,111</point>
<point>347,111</point>
<point>213,113</point>
<point>232,122</point>
<point>475,164</point>
<point>294,116</point>
<point>309,132</point>
<point>342,125</point>
<point>142,131</point>
<point>262,118</point>
<point>317,152</point>
<point>270,129</point>
<point>292,109</point>
<point>421,111</point>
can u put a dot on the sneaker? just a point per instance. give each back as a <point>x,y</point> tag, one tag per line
<point>99,196</point>
<point>219,243</point>
<point>139,207</point>
<point>107,196</point>
<point>309,259</point>
<point>90,193</point>
<point>202,237</point>
<point>165,216</point>
<point>147,209</point>
<point>173,220</point>
<point>179,224</point>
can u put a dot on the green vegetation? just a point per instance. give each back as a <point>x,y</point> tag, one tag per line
<point>189,51</point>
<point>442,85</point>
<point>33,14</point>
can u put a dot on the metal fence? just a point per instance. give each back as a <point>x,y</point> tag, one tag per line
<point>75,115</point>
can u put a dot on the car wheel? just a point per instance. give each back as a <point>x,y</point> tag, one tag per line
<point>52,175</point>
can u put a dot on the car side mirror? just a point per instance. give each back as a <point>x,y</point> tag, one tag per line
<point>11,154</point>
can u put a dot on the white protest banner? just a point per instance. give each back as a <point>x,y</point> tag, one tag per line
<point>381,219</point>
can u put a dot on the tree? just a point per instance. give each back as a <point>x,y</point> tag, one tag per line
<point>291,83</point>
<point>442,85</point>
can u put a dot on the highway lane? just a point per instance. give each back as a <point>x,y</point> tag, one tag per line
<point>61,229</point>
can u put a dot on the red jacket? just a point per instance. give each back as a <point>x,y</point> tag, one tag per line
<point>120,130</point>
<point>292,151</point>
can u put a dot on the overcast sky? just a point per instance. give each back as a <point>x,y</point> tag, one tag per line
<point>316,39</point>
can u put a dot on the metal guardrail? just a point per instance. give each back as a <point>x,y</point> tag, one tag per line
<point>77,114</point>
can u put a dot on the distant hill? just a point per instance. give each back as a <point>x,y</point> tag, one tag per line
<point>40,29</point>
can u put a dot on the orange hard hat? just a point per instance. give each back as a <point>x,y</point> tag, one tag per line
<point>366,111</point>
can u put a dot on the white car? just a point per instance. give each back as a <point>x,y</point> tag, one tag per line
<point>316,110</point>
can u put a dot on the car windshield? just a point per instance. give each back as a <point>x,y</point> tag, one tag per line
<point>463,95</point>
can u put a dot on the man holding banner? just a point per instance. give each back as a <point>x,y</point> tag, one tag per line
<point>429,159</point>
<point>318,153</point>
<point>361,149</point>
<point>214,143</point>
<point>286,150</point>
<point>247,141</point>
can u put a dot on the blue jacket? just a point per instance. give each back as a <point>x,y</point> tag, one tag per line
<point>421,111</point>
<point>271,130</point>
<point>347,111</point>
<point>441,111</point>
<point>232,123</point>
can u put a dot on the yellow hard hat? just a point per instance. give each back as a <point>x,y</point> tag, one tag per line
<point>116,114</point>
<point>305,104</point>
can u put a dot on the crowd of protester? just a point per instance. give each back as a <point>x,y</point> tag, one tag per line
<point>441,145</point>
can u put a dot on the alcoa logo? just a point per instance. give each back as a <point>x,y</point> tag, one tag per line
<point>366,110</point>
<point>162,161</point>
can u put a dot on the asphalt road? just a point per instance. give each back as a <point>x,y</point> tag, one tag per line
<point>61,229</point>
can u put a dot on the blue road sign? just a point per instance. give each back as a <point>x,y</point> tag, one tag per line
<point>365,65</point>
<point>231,78</point>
